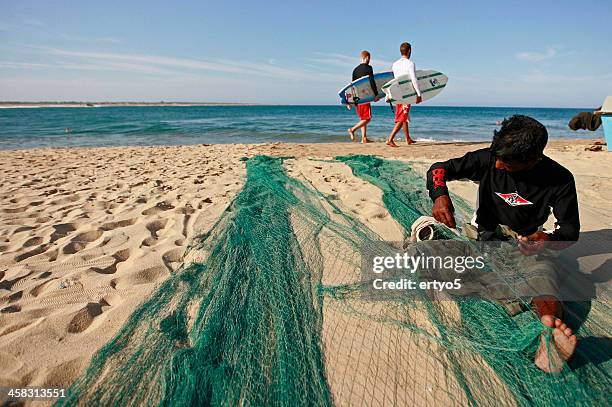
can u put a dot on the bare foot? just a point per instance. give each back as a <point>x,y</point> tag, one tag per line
<point>351,133</point>
<point>552,358</point>
<point>365,140</point>
<point>410,141</point>
<point>391,143</point>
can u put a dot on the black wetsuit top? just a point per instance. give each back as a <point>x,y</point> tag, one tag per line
<point>365,70</point>
<point>520,200</point>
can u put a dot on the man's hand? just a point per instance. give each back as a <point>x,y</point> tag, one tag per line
<point>419,100</point>
<point>443,211</point>
<point>533,244</point>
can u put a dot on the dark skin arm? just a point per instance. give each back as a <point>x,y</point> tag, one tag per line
<point>443,211</point>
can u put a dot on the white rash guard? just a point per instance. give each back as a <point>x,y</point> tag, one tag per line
<point>405,66</point>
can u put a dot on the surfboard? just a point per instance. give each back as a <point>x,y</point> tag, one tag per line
<point>360,91</point>
<point>401,90</point>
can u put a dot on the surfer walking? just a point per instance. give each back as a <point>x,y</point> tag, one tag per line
<point>518,186</point>
<point>404,66</point>
<point>364,111</point>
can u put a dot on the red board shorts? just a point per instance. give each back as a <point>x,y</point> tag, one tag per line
<point>364,111</point>
<point>402,113</point>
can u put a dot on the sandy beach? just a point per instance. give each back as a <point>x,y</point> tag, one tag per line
<point>86,234</point>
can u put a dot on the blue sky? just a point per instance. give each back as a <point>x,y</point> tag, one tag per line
<point>519,53</point>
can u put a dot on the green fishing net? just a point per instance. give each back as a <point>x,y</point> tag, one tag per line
<point>269,309</point>
<point>486,333</point>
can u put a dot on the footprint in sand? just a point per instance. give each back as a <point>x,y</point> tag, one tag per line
<point>33,241</point>
<point>155,226</point>
<point>148,242</point>
<point>69,199</point>
<point>52,255</point>
<point>173,257</point>
<point>15,296</point>
<point>10,309</point>
<point>80,241</point>
<point>62,230</point>
<point>83,318</point>
<point>36,251</point>
<point>144,276</point>
<point>186,210</point>
<point>160,207</point>
<point>15,210</point>
<point>50,192</point>
<point>24,229</point>
<point>119,257</point>
<point>118,224</point>
<point>204,201</point>
<point>40,288</point>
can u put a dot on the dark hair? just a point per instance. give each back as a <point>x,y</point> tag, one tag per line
<point>405,48</point>
<point>521,138</point>
<point>365,54</point>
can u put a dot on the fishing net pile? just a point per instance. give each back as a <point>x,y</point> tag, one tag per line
<point>269,309</point>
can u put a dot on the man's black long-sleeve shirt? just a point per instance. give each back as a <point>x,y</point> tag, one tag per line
<point>365,70</point>
<point>520,200</point>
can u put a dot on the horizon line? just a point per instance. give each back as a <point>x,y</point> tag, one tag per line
<point>211,104</point>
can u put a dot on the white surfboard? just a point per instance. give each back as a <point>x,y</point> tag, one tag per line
<point>401,90</point>
<point>360,91</point>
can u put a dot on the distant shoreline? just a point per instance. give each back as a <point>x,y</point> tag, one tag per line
<point>22,105</point>
<point>16,105</point>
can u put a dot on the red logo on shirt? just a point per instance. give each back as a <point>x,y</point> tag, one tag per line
<point>513,199</point>
<point>438,177</point>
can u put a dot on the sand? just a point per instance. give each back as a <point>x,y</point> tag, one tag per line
<point>87,234</point>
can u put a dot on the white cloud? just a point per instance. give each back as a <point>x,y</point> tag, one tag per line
<point>22,65</point>
<point>78,38</point>
<point>549,53</point>
<point>268,80</point>
<point>154,64</point>
<point>93,66</point>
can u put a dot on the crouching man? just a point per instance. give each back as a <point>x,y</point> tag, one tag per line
<point>518,187</point>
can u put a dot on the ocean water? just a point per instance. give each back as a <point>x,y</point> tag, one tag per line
<point>153,125</point>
